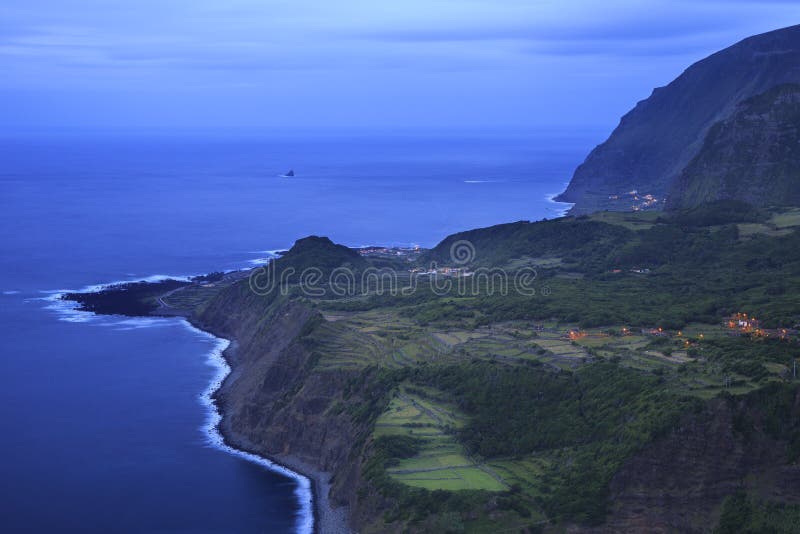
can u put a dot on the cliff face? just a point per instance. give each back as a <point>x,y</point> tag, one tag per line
<point>657,139</point>
<point>678,483</point>
<point>753,156</point>
<point>310,391</point>
<point>276,403</point>
<point>280,404</point>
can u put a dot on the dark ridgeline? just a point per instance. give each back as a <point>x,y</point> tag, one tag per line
<point>657,139</point>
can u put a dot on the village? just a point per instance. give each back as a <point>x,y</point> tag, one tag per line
<point>409,253</point>
<point>638,201</point>
<point>442,271</point>
<point>738,324</point>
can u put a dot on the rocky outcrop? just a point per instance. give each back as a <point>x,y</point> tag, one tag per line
<point>678,483</point>
<point>657,139</point>
<point>754,156</point>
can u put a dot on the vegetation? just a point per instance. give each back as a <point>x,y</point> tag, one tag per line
<point>132,299</point>
<point>742,514</point>
<point>574,407</point>
<point>752,155</point>
<point>317,253</point>
<point>484,410</point>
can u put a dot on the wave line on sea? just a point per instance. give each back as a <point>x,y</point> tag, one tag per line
<point>562,212</point>
<point>215,359</point>
<point>68,311</point>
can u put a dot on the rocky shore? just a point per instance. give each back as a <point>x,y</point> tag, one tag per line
<point>328,519</point>
<point>262,355</point>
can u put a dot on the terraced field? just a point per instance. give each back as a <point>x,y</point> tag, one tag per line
<point>354,340</point>
<point>191,297</point>
<point>529,472</point>
<point>780,224</point>
<point>378,337</point>
<point>345,347</point>
<point>637,221</point>
<point>786,219</point>
<point>442,463</point>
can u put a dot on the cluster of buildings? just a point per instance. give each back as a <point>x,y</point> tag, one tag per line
<point>442,271</point>
<point>389,251</point>
<point>743,324</point>
<point>575,335</point>
<point>639,201</point>
<point>636,270</point>
<point>655,332</point>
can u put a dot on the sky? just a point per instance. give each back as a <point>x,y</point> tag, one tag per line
<point>374,64</point>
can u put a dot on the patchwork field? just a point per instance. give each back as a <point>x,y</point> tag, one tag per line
<point>196,295</point>
<point>442,462</point>
<point>637,221</point>
<point>384,338</point>
<point>786,219</point>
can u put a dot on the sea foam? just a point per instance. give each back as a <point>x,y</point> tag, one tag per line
<point>560,210</point>
<point>68,311</point>
<point>264,256</point>
<point>303,493</point>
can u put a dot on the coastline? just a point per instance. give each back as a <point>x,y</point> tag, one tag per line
<point>317,514</point>
<point>562,211</point>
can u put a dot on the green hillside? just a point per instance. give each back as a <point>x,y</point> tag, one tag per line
<point>478,410</point>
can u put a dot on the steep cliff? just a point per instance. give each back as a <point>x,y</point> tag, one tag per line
<point>657,139</point>
<point>390,402</point>
<point>278,403</point>
<point>678,483</point>
<point>753,156</point>
<point>274,403</point>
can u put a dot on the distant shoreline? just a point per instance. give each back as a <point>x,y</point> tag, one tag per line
<point>551,197</point>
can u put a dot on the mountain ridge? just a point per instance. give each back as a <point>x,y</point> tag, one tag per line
<point>753,156</point>
<point>655,141</point>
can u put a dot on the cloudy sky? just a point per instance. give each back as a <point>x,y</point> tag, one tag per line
<point>349,63</point>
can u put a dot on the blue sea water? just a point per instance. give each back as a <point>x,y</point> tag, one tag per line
<point>103,417</point>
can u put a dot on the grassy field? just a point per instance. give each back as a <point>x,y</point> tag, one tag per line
<point>522,406</point>
<point>442,463</point>
<point>192,296</point>
<point>377,337</point>
<point>433,421</point>
<point>780,224</point>
<point>786,219</point>
<point>197,295</point>
<point>387,339</point>
<point>747,230</point>
<point>637,221</point>
<point>538,263</point>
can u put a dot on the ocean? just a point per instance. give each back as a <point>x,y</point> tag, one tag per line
<point>106,419</point>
